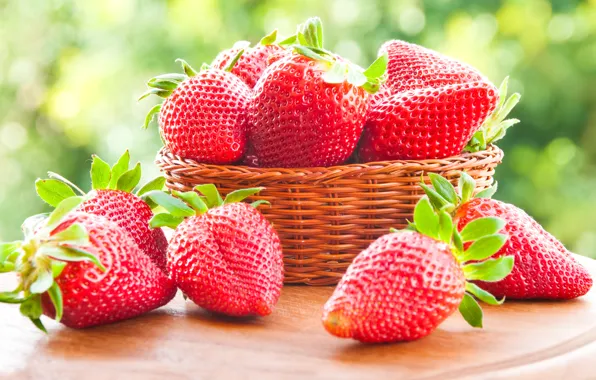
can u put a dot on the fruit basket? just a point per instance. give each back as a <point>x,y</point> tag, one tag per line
<point>326,216</point>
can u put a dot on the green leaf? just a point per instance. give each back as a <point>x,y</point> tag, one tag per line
<point>165,220</point>
<point>32,307</point>
<point>443,187</point>
<point>57,268</point>
<point>488,193</point>
<point>289,41</point>
<point>437,201</point>
<point>482,294</point>
<point>155,91</point>
<point>259,202</point>
<point>150,115</point>
<point>481,227</point>
<point>173,205</point>
<point>166,85</point>
<point>188,70</point>
<point>269,39</point>
<point>129,180</point>
<point>230,66</point>
<point>14,297</point>
<point>466,187</point>
<point>155,184</point>
<point>310,53</point>
<point>56,297</point>
<point>62,209</point>
<point>75,234</point>
<point>53,191</point>
<point>427,221</point>
<point>310,33</point>
<point>100,173</point>
<point>71,254</point>
<point>378,68</point>
<point>211,194</point>
<point>7,267</point>
<point>445,227</point>
<point>459,244</point>
<point>491,270</point>
<point>193,200</point>
<point>336,73</point>
<point>57,176</point>
<point>242,194</point>
<point>43,282</point>
<point>119,168</point>
<point>37,322</point>
<point>471,311</point>
<point>7,249</point>
<point>175,77</point>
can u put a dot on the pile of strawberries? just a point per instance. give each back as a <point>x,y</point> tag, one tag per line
<point>295,104</point>
<point>102,256</point>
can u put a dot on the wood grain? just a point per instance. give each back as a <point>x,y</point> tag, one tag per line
<point>538,340</point>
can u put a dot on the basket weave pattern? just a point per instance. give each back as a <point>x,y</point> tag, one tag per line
<point>326,216</point>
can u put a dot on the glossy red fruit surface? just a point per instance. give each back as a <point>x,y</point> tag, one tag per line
<point>251,64</point>
<point>299,120</point>
<point>399,289</point>
<point>205,117</point>
<point>228,261</point>
<point>131,285</point>
<point>543,268</point>
<point>133,215</point>
<point>426,123</point>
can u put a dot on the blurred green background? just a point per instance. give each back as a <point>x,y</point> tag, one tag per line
<point>70,73</point>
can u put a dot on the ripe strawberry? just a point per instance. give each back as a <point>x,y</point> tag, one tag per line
<point>111,197</point>
<point>544,268</point>
<point>204,114</point>
<point>253,62</point>
<point>407,283</point>
<point>309,108</point>
<point>83,270</point>
<point>227,259</point>
<point>432,106</point>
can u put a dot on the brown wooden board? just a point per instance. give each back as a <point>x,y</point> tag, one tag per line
<point>535,340</point>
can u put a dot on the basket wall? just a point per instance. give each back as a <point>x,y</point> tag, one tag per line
<point>326,216</point>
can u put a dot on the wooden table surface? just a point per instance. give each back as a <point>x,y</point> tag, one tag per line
<point>538,340</point>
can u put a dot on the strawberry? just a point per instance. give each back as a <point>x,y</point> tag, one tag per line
<point>112,198</point>
<point>309,107</point>
<point>226,259</point>
<point>204,115</point>
<point>407,283</point>
<point>82,270</point>
<point>253,62</point>
<point>544,268</point>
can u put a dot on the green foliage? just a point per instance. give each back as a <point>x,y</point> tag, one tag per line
<point>69,72</point>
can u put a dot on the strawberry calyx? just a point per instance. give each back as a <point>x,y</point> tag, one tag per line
<point>308,41</point>
<point>181,205</point>
<point>472,248</point>
<point>56,188</point>
<point>41,257</point>
<point>495,126</point>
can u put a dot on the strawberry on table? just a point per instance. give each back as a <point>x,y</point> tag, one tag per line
<point>407,283</point>
<point>309,107</point>
<point>82,270</point>
<point>252,62</point>
<point>544,268</point>
<point>204,114</point>
<point>224,255</point>
<point>111,196</point>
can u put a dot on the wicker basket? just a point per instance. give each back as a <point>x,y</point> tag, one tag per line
<point>326,216</point>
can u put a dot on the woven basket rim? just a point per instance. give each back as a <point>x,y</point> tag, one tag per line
<point>466,156</point>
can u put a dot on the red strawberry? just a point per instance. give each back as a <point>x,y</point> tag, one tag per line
<point>253,62</point>
<point>204,114</point>
<point>309,109</point>
<point>407,283</point>
<point>426,123</point>
<point>544,268</point>
<point>227,259</point>
<point>83,270</point>
<point>111,197</point>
